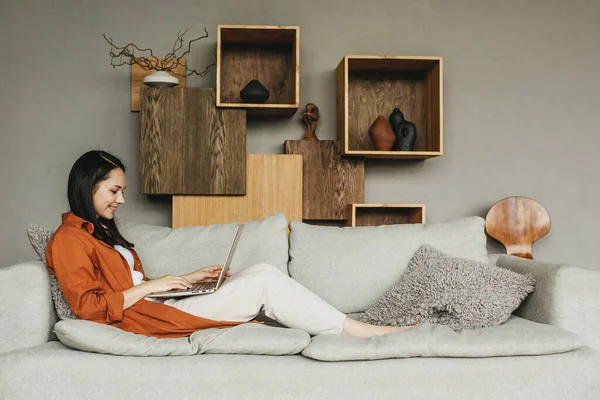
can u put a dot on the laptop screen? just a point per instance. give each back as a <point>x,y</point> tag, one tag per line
<point>227,263</point>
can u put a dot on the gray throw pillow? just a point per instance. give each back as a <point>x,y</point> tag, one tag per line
<point>39,238</point>
<point>453,291</point>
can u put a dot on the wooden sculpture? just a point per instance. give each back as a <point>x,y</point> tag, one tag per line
<point>311,118</point>
<point>517,222</point>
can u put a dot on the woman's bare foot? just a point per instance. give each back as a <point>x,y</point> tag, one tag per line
<point>363,330</point>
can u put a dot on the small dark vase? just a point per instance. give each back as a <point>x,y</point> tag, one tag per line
<point>381,134</point>
<point>254,92</point>
<point>404,131</point>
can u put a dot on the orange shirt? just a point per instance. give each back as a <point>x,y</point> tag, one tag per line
<point>93,275</point>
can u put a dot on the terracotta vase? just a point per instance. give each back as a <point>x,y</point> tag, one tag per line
<point>382,134</point>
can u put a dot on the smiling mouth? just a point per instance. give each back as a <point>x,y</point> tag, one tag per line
<point>112,208</point>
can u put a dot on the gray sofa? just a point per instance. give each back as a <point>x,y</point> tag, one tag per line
<point>35,365</point>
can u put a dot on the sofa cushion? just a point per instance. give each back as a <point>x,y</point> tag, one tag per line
<point>54,371</point>
<point>453,291</point>
<point>26,311</point>
<point>516,337</point>
<point>242,339</point>
<point>39,238</point>
<point>369,260</point>
<point>178,251</point>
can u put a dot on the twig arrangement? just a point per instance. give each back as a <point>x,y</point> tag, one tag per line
<point>126,55</point>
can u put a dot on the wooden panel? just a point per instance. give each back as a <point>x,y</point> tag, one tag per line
<point>391,63</point>
<point>138,74</point>
<point>187,146</point>
<point>214,151</point>
<point>161,140</point>
<point>270,54</point>
<point>386,214</point>
<point>258,33</point>
<point>329,182</point>
<point>274,184</point>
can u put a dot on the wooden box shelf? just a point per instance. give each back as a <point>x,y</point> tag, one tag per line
<point>385,214</point>
<point>270,54</point>
<point>369,86</point>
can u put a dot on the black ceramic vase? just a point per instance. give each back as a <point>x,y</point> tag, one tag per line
<point>405,132</point>
<point>254,92</point>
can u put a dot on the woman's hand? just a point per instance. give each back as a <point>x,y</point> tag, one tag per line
<point>168,282</point>
<point>206,274</point>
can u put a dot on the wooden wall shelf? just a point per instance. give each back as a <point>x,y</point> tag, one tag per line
<point>369,86</point>
<point>270,54</point>
<point>385,214</point>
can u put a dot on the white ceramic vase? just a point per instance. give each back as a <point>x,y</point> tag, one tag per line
<point>160,79</point>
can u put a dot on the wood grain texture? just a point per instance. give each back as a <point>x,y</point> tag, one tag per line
<point>270,63</point>
<point>370,86</point>
<point>270,54</point>
<point>138,74</point>
<point>329,181</point>
<point>161,140</point>
<point>386,214</point>
<point>188,146</point>
<point>274,184</point>
<point>341,98</point>
<point>374,93</point>
<point>517,222</point>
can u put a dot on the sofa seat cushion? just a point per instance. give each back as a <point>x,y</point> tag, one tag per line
<point>53,371</point>
<point>369,260</point>
<point>242,339</point>
<point>164,250</point>
<point>515,337</point>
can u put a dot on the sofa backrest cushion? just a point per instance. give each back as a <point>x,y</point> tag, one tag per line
<point>164,250</point>
<point>352,267</point>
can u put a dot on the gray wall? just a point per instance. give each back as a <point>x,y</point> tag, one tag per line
<point>520,99</point>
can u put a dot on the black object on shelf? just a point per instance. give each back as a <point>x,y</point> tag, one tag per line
<point>254,92</point>
<point>405,132</point>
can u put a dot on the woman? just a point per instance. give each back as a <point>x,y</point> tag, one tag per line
<point>102,279</point>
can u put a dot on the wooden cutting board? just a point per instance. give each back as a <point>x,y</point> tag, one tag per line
<point>330,182</point>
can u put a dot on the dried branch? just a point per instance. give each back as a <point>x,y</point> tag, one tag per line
<point>126,55</point>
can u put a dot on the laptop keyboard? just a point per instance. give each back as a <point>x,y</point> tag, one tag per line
<point>199,286</point>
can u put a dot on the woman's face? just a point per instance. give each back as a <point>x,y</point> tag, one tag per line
<point>108,194</point>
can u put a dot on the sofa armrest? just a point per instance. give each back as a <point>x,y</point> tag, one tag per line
<point>566,296</point>
<point>27,313</point>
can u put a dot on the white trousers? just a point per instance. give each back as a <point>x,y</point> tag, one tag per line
<point>262,287</point>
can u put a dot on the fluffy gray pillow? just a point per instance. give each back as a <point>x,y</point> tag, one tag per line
<point>39,238</point>
<point>453,291</point>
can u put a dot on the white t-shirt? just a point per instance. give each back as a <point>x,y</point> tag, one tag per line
<point>135,275</point>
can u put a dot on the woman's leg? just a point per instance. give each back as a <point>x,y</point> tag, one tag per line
<point>264,287</point>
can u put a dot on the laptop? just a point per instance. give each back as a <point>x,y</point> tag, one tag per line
<point>206,287</point>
